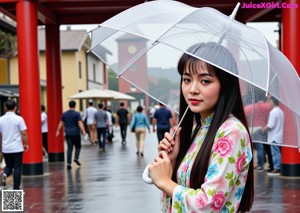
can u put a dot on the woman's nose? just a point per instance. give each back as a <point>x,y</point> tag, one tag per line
<point>194,88</point>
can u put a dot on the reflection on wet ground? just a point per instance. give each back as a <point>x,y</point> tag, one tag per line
<point>111,182</point>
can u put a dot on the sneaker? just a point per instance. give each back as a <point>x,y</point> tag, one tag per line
<point>142,154</point>
<point>69,166</point>
<point>3,179</point>
<point>275,172</point>
<point>137,153</point>
<point>259,168</point>
<point>77,162</point>
<point>269,170</point>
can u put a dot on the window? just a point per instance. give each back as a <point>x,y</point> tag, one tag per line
<point>79,70</point>
<point>104,74</point>
<point>94,72</point>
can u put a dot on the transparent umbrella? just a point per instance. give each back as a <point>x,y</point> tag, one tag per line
<point>146,41</point>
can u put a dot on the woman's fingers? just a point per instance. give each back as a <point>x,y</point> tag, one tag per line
<point>164,145</point>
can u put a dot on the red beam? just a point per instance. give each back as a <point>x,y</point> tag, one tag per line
<point>45,15</point>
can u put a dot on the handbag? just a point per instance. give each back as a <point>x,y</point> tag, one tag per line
<point>133,127</point>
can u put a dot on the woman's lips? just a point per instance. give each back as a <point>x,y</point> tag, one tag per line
<point>194,101</point>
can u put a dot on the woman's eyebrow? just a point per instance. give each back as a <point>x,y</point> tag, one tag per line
<point>201,74</point>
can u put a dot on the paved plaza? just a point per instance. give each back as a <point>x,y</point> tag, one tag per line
<point>110,182</point>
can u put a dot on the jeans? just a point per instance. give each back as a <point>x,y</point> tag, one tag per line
<point>101,132</point>
<point>73,140</point>
<point>14,163</point>
<point>123,130</point>
<point>267,148</point>
<point>161,133</point>
<point>260,154</point>
<point>276,155</point>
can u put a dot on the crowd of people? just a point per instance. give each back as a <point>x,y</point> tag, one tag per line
<point>97,125</point>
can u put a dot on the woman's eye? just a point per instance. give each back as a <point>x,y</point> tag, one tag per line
<point>205,81</point>
<point>186,80</point>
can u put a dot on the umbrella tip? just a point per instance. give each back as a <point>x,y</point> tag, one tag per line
<point>232,16</point>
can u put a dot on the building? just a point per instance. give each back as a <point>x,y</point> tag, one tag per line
<point>81,70</point>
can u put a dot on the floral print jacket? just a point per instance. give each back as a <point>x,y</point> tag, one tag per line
<point>225,179</point>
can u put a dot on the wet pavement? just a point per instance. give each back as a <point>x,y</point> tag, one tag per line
<point>111,182</point>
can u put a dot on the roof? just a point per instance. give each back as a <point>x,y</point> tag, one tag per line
<point>7,25</point>
<point>70,40</point>
<point>65,12</point>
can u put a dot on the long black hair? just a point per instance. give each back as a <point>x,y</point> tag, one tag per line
<point>229,102</point>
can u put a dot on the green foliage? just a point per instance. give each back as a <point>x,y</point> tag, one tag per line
<point>8,44</point>
<point>112,80</point>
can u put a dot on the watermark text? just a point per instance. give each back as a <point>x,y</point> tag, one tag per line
<point>268,5</point>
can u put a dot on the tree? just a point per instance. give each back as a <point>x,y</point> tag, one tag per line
<point>8,44</point>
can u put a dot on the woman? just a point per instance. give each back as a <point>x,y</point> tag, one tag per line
<point>140,123</point>
<point>208,167</point>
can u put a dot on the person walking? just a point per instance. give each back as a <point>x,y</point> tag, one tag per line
<point>13,142</point>
<point>102,123</point>
<point>72,123</point>
<point>123,120</point>
<point>274,128</point>
<point>140,122</point>
<point>89,115</point>
<point>260,112</point>
<point>110,131</point>
<point>208,166</point>
<point>162,118</point>
<point>44,120</point>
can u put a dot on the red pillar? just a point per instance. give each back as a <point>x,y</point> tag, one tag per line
<point>290,47</point>
<point>54,92</point>
<point>29,80</point>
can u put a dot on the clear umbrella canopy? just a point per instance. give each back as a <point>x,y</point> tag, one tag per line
<point>146,42</point>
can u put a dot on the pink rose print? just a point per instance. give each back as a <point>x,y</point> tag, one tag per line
<point>235,135</point>
<point>223,146</point>
<point>227,124</point>
<point>240,162</point>
<point>201,201</point>
<point>218,201</point>
<point>192,148</point>
<point>185,167</point>
<point>221,183</point>
<point>247,139</point>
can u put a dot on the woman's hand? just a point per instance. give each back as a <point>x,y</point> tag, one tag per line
<point>161,170</point>
<point>170,145</point>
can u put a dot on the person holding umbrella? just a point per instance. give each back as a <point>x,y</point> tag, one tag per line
<point>207,167</point>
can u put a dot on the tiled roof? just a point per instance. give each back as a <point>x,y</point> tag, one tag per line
<point>70,40</point>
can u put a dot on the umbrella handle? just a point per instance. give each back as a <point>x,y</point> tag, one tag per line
<point>146,175</point>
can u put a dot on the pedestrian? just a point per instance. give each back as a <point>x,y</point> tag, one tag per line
<point>89,115</point>
<point>110,132</point>
<point>72,123</point>
<point>275,134</point>
<point>258,113</point>
<point>162,118</point>
<point>13,142</point>
<point>44,120</point>
<point>140,122</point>
<point>151,114</point>
<point>123,120</point>
<point>208,166</point>
<point>102,123</point>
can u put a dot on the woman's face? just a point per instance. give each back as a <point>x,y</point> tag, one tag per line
<point>200,89</point>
